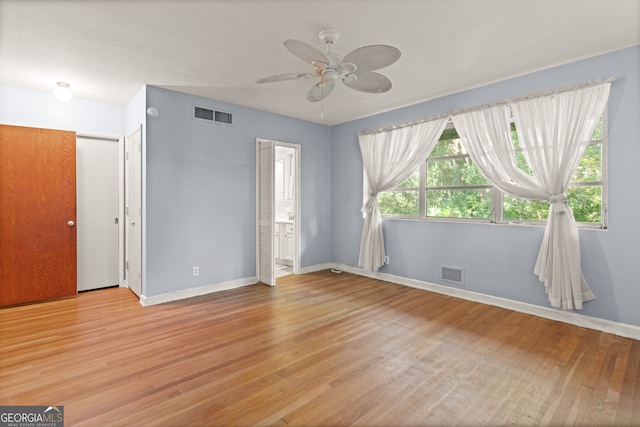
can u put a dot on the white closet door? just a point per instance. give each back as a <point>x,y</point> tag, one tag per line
<point>97,212</point>
<point>133,212</point>
<point>266,183</point>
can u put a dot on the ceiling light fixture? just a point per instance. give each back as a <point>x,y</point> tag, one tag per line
<point>62,92</point>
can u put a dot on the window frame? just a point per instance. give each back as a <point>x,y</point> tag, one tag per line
<point>456,188</point>
<point>497,211</point>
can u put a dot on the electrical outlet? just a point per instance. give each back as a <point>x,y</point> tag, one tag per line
<point>386,260</point>
<point>196,271</point>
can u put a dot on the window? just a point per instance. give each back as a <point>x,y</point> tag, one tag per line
<point>450,186</point>
<point>402,200</point>
<point>455,187</point>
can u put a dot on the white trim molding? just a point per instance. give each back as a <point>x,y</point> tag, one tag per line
<point>217,287</point>
<point>573,318</point>
<point>318,267</point>
<point>194,292</point>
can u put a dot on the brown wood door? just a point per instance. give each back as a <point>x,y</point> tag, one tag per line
<point>37,201</point>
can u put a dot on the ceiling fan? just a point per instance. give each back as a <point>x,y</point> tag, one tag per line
<point>356,69</point>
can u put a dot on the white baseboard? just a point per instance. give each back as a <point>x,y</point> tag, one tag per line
<point>603,325</point>
<point>317,267</point>
<point>573,318</point>
<point>203,290</point>
<point>194,292</point>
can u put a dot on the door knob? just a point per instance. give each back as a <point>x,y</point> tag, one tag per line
<point>71,223</point>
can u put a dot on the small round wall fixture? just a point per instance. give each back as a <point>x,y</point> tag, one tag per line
<point>153,112</point>
<point>62,92</point>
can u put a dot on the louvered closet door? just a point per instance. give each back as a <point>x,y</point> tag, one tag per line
<point>266,272</point>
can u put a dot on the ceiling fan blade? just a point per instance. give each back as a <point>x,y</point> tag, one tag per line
<point>371,58</point>
<point>369,82</point>
<point>306,52</point>
<point>320,90</point>
<point>283,77</point>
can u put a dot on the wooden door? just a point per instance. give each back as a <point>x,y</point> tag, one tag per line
<point>37,214</point>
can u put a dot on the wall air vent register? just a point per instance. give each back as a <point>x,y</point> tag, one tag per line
<point>213,116</point>
<point>452,274</point>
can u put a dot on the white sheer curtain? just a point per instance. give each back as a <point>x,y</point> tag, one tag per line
<point>486,134</point>
<point>553,131</point>
<point>388,158</point>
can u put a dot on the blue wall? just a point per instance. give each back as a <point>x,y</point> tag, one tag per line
<point>499,259</point>
<point>200,191</point>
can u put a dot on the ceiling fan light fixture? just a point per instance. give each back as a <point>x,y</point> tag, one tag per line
<point>62,92</point>
<point>355,69</point>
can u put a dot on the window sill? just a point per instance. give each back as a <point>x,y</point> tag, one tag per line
<point>581,226</point>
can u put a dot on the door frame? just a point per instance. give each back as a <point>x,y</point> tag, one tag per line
<point>297,148</point>
<point>132,176</point>
<point>118,141</point>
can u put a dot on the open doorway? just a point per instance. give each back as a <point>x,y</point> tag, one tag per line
<point>285,210</point>
<point>277,210</point>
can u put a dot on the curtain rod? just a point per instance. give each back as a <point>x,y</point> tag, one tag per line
<point>534,95</point>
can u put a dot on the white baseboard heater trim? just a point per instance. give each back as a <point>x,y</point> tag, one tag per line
<point>573,318</point>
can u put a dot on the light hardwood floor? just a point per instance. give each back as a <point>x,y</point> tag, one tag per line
<point>320,349</point>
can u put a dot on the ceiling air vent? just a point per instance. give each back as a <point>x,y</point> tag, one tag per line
<point>214,116</point>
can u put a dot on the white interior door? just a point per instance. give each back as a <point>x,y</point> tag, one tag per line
<point>133,212</point>
<point>97,212</point>
<point>265,223</point>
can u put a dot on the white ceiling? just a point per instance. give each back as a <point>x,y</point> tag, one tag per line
<point>107,50</point>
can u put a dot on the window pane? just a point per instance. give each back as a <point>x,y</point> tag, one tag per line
<point>521,161</point>
<point>459,203</point>
<point>411,182</point>
<point>404,203</point>
<point>597,132</point>
<point>514,136</point>
<point>454,172</point>
<point>590,167</point>
<point>586,203</point>
<point>524,210</point>
<point>448,147</point>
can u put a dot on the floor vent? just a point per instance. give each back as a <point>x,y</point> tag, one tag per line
<point>220,117</point>
<point>452,274</point>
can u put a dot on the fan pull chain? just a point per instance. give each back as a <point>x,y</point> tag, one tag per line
<point>322,109</point>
